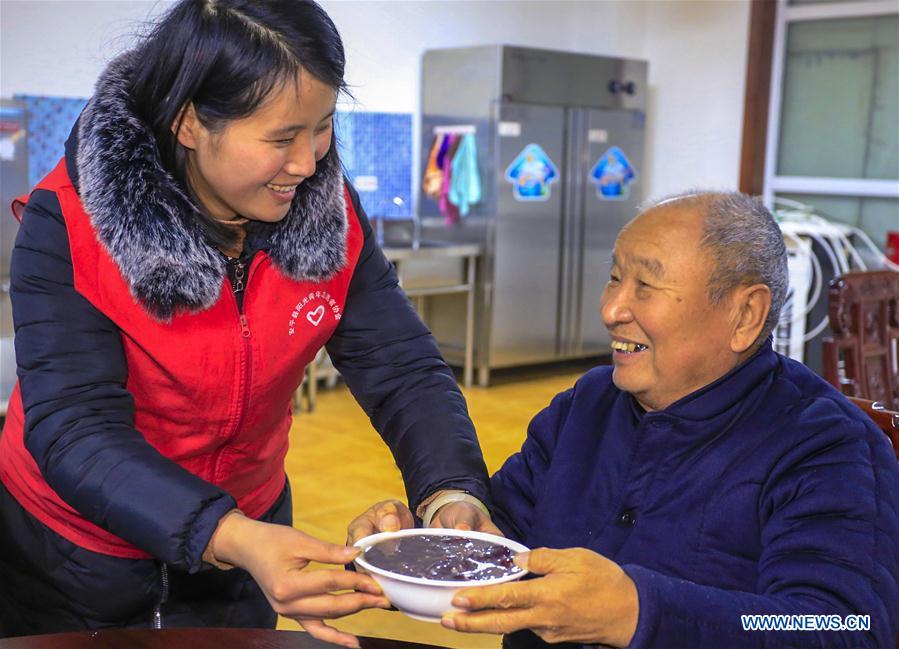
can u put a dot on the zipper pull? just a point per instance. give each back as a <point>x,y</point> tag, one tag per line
<point>163,598</point>
<point>239,272</point>
<point>244,326</point>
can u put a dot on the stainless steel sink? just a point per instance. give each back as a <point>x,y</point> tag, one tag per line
<point>427,243</point>
<point>432,263</point>
<point>429,248</point>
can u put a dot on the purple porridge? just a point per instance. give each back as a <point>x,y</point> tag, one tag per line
<point>444,558</point>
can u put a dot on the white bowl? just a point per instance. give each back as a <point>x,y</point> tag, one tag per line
<point>428,599</point>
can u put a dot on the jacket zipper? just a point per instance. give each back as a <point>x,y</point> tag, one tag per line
<point>238,276</point>
<point>163,598</point>
<point>238,285</point>
<point>247,362</point>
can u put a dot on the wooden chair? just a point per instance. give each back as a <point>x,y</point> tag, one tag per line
<point>860,359</point>
<point>887,420</point>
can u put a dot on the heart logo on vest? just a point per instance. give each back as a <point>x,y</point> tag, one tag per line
<point>315,316</point>
<point>325,304</point>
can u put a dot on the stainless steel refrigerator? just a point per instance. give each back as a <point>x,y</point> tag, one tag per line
<point>548,216</point>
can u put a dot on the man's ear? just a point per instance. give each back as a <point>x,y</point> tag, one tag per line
<point>187,127</point>
<point>752,304</point>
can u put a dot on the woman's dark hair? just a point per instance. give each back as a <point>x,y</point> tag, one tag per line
<point>225,57</point>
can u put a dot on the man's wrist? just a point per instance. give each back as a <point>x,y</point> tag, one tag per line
<point>423,505</point>
<point>630,614</point>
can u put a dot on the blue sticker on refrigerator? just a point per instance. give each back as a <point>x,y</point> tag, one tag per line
<point>532,173</point>
<point>612,173</point>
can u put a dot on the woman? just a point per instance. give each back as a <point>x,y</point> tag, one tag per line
<point>171,278</point>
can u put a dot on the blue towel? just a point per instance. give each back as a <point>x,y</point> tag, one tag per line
<point>465,183</point>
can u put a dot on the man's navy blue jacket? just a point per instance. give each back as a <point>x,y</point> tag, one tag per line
<point>764,492</point>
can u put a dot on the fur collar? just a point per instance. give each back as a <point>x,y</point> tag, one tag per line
<point>149,225</point>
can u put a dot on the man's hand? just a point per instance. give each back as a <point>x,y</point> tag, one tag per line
<point>583,597</point>
<point>276,556</point>
<point>385,516</point>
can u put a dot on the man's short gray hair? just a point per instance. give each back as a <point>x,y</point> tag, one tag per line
<point>745,243</point>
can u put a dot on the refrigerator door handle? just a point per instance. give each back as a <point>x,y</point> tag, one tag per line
<point>575,241</point>
<point>562,318</point>
<point>569,278</point>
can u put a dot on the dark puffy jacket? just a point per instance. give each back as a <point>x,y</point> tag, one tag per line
<point>764,492</point>
<point>79,416</point>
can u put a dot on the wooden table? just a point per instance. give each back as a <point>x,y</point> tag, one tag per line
<point>192,639</point>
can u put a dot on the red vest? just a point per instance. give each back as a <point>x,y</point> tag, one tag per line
<point>212,390</point>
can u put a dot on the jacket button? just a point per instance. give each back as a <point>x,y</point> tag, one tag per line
<point>627,518</point>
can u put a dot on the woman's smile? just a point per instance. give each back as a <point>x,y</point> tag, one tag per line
<point>282,193</point>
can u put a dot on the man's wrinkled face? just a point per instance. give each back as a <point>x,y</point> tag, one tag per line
<point>668,340</point>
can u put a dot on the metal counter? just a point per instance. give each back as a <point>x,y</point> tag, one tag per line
<point>440,268</point>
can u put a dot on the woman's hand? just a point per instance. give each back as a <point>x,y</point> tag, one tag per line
<point>464,516</point>
<point>385,516</point>
<point>392,515</point>
<point>276,556</point>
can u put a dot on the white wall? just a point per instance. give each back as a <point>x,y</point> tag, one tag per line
<point>696,51</point>
<point>384,39</point>
<point>697,67</point>
<point>59,47</point>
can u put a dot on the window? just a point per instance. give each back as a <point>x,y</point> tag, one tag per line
<point>833,137</point>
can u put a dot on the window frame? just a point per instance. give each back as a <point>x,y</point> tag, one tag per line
<point>785,15</point>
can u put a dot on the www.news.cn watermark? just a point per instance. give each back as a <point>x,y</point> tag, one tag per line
<point>806,622</point>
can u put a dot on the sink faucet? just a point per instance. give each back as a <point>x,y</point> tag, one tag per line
<point>380,216</point>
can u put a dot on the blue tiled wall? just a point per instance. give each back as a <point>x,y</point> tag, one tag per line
<point>379,145</point>
<point>49,121</point>
<point>371,144</point>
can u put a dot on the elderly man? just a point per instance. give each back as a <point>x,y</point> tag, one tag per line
<point>703,477</point>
